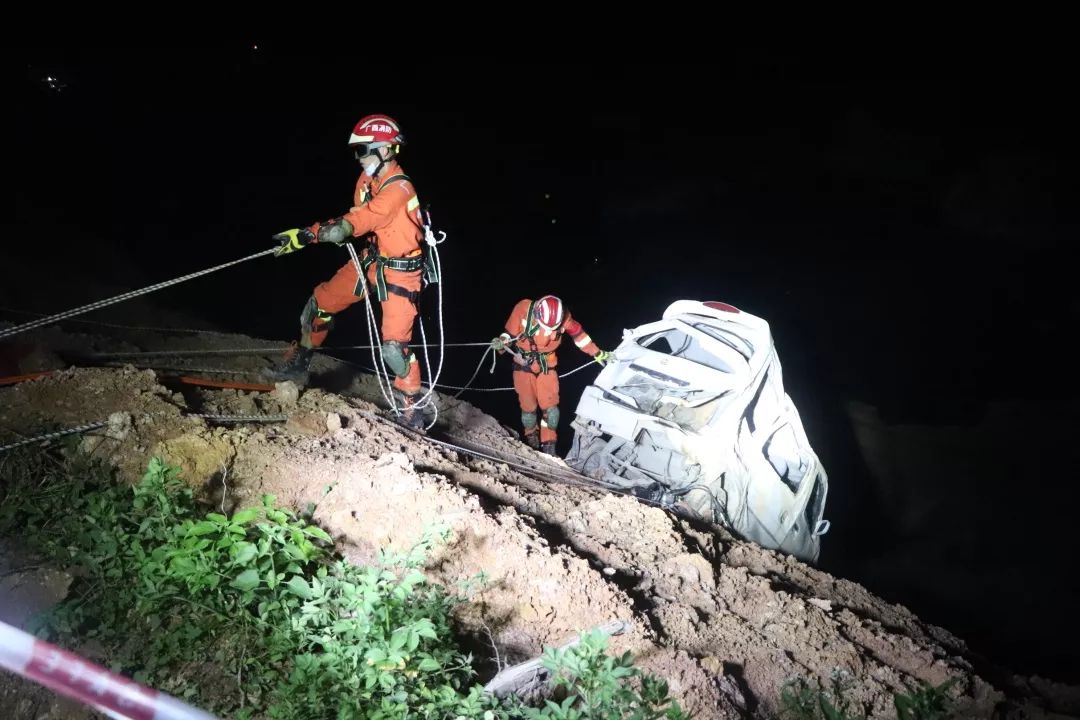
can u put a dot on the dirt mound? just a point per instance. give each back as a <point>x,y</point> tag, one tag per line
<point>725,621</point>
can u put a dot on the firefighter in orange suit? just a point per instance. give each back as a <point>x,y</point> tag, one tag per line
<point>533,333</point>
<point>386,211</point>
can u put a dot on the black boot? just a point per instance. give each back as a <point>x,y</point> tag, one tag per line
<point>548,448</point>
<point>533,440</point>
<point>413,416</point>
<point>295,366</point>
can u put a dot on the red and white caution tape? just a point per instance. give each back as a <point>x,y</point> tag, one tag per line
<point>82,680</point>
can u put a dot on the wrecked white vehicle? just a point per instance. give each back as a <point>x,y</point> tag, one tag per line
<point>691,413</point>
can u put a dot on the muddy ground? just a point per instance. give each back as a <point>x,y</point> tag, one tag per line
<point>726,622</point>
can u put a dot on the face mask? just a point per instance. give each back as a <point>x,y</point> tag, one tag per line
<point>370,165</point>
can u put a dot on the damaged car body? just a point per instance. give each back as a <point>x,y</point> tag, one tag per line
<point>691,413</point>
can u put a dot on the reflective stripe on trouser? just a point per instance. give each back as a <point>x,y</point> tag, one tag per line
<point>398,313</point>
<point>535,391</point>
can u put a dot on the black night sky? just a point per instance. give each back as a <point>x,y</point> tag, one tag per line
<point>902,224</point>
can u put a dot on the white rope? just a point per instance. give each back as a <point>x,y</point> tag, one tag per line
<point>467,386</point>
<point>125,296</point>
<point>193,352</point>
<point>479,365</point>
<point>373,335</point>
<point>120,326</point>
<point>433,382</point>
<point>426,399</point>
<point>386,386</point>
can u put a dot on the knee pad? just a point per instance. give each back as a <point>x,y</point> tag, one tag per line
<point>551,417</point>
<point>528,420</point>
<point>395,359</point>
<point>314,319</point>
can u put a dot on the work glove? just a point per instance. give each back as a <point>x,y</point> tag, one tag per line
<point>498,344</point>
<point>602,357</point>
<point>295,239</point>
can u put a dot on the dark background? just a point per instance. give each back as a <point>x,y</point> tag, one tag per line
<point>901,222</point>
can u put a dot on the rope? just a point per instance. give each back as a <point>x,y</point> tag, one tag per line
<point>119,326</point>
<point>189,353</point>
<point>479,365</point>
<point>239,418</point>
<point>387,390</point>
<point>463,388</point>
<point>53,435</point>
<point>554,474</point>
<point>95,425</point>
<point>166,368</point>
<point>125,296</point>
<point>426,400</point>
<point>258,350</point>
<point>441,386</point>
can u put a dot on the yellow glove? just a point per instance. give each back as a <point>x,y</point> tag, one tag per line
<point>293,240</point>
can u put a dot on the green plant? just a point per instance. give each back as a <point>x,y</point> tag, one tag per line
<point>253,616</point>
<point>928,702</point>
<point>804,700</point>
<point>236,611</point>
<point>598,686</point>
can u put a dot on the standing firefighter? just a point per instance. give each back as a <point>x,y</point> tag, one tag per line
<point>533,333</point>
<point>386,212</point>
